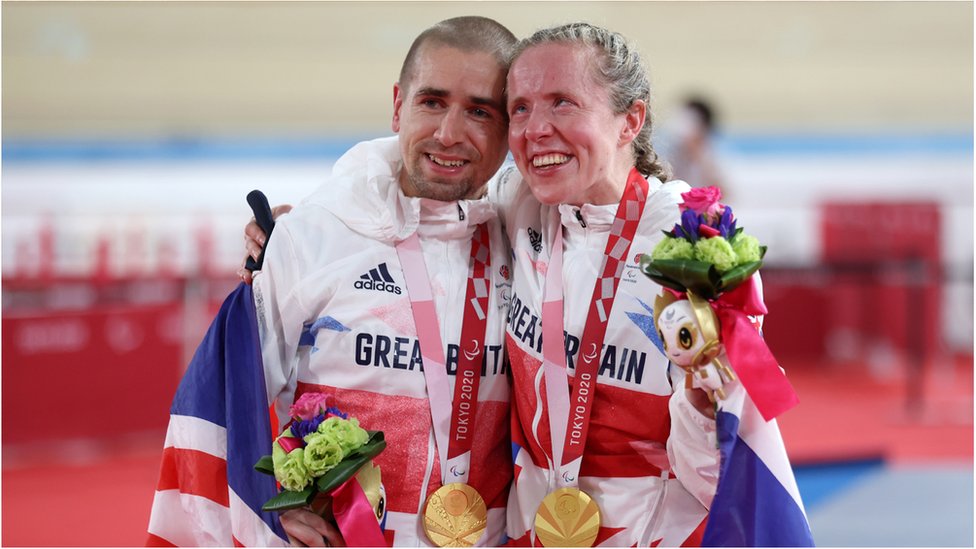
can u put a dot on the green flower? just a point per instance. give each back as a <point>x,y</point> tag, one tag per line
<point>717,251</point>
<point>747,248</point>
<point>290,469</point>
<point>673,248</point>
<point>345,432</point>
<point>322,453</point>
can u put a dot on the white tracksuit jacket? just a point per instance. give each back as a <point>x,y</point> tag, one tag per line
<point>650,460</point>
<point>334,316</point>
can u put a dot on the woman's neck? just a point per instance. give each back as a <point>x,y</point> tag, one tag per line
<point>608,191</point>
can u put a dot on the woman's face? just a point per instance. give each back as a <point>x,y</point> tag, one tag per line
<point>566,140</point>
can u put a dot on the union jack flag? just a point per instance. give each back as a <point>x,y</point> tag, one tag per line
<point>208,492</point>
<point>757,503</point>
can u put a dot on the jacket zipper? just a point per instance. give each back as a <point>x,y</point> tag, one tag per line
<point>579,217</point>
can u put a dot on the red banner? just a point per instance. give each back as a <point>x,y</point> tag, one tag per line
<point>102,373</point>
<point>887,275</point>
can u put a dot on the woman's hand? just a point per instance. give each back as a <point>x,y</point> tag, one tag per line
<point>307,529</point>
<point>699,399</point>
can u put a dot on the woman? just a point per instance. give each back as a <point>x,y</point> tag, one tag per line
<point>618,438</point>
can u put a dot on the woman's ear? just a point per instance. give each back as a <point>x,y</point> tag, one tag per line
<point>634,121</point>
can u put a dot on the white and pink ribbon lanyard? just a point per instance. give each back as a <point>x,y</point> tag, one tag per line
<point>569,415</point>
<point>452,418</point>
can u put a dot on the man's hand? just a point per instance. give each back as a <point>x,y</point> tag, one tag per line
<point>307,529</point>
<point>255,239</point>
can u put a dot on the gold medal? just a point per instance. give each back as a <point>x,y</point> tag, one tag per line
<point>567,518</point>
<point>455,516</point>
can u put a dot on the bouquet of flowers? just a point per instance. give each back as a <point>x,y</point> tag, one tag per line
<point>706,253</point>
<point>705,312</point>
<point>318,453</point>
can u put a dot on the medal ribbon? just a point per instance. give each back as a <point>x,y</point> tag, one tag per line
<point>452,419</point>
<point>577,408</point>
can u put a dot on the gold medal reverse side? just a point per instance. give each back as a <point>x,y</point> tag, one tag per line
<point>455,516</point>
<point>567,517</point>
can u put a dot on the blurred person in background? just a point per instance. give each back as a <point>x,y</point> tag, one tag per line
<point>403,222</point>
<point>690,146</point>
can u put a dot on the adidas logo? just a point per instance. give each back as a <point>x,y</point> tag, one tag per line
<point>535,239</point>
<point>378,279</point>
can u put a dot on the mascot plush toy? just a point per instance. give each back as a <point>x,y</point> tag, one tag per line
<point>689,330</point>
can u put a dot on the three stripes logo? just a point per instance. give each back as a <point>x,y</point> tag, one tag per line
<point>379,279</point>
<point>535,239</point>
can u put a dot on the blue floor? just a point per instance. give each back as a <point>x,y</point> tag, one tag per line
<point>871,504</point>
<point>819,482</point>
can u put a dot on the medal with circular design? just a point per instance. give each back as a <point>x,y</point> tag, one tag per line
<point>455,516</point>
<point>567,518</point>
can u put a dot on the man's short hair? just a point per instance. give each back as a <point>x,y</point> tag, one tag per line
<point>469,33</point>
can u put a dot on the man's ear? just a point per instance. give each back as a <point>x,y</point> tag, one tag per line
<point>633,122</point>
<point>397,103</point>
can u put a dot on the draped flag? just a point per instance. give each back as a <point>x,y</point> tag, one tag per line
<point>757,503</point>
<point>208,492</point>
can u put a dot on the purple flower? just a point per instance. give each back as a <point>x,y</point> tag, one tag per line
<point>306,426</point>
<point>689,225</point>
<point>726,225</point>
<point>333,411</point>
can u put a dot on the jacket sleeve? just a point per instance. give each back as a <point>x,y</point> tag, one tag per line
<point>692,444</point>
<point>280,316</point>
<point>692,447</point>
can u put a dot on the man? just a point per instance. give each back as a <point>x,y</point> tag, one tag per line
<point>403,226</point>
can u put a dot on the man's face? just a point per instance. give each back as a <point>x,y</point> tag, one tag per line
<point>451,119</point>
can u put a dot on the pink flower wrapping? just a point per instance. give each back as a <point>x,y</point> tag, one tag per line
<point>705,231</point>
<point>289,443</point>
